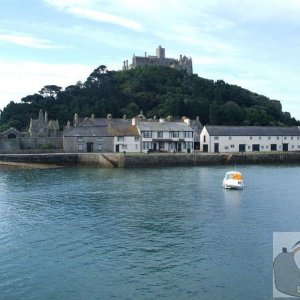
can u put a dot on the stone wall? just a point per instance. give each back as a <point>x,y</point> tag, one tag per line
<point>113,160</point>
<point>9,145</point>
<point>41,143</point>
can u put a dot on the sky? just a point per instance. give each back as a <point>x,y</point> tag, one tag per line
<point>251,43</point>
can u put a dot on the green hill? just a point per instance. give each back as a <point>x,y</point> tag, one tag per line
<point>157,91</point>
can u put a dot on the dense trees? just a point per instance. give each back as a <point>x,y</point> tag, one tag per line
<point>158,91</point>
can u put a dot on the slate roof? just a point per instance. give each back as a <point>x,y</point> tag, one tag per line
<point>105,131</point>
<point>252,131</point>
<point>166,126</point>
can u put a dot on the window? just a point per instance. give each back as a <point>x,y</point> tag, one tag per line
<point>292,137</point>
<point>267,147</point>
<point>262,147</point>
<point>79,139</point>
<point>147,134</point>
<point>188,134</point>
<point>298,146</point>
<point>297,137</point>
<point>147,145</point>
<point>292,146</point>
<point>120,138</point>
<point>231,146</point>
<point>230,137</point>
<point>124,147</point>
<point>259,137</point>
<point>249,147</point>
<point>136,138</point>
<point>279,146</point>
<point>160,134</point>
<point>136,146</point>
<point>204,139</point>
<point>216,138</point>
<point>80,147</point>
<point>99,147</point>
<point>278,138</point>
<point>174,134</point>
<point>285,138</point>
<point>269,137</point>
<point>250,137</point>
<point>100,139</point>
<point>226,148</point>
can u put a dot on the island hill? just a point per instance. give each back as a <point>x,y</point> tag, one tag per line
<point>142,109</point>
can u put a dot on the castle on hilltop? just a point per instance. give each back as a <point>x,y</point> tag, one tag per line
<point>183,63</point>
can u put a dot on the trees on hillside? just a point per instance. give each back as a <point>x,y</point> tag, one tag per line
<point>159,91</point>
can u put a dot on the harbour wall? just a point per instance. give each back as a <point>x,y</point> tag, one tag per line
<point>130,160</point>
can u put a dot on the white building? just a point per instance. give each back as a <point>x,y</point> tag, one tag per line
<point>249,138</point>
<point>165,136</point>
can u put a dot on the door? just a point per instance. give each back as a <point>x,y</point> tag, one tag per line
<point>89,147</point>
<point>154,147</point>
<point>273,147</point>
<point>216,147</point>
<point>285,147</point>
<point>179,147</point>
<point>242,147</point>
<point>117,148</point>
<point>205,148</point>
<point>255,147</point>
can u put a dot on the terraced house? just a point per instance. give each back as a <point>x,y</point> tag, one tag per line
<point>128,135</point>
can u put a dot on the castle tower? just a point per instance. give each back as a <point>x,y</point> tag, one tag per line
<point>160,52</point>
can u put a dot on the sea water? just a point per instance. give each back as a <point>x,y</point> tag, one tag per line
<point>171,233</point>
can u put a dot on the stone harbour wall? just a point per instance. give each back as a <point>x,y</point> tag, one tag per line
<point>139,160</point>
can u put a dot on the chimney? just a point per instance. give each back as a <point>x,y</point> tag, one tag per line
<point>93,116</point>
<point>187,121</point>
<point>124,117</point>
<point>162,121</point>
<point>75,119</point>
<point>68,124</point>
<point>133,121</point>
<point>46,117</point>
<point>109,117</point>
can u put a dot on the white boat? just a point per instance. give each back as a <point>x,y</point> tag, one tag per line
<point>233,180</point>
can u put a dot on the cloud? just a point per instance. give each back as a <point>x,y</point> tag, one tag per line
<point>19,79</point>
<point>26,40</point>
<point>83,9</point>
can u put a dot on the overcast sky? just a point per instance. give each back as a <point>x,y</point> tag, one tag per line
<point>251,43</point>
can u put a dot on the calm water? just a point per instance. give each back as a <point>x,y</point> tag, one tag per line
<point>172,233</point>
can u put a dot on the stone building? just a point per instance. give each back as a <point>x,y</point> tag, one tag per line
<point>42,127</point>
<point>42,136</point>
<point>101,135</point>
<point>183,63</point>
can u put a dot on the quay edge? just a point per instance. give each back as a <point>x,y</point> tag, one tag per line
<point>130,160</point>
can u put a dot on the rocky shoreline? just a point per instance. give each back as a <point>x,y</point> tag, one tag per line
<point>131,160</point>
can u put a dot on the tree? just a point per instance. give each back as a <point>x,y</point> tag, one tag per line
<point>50,90</point>
<point>35,98</point>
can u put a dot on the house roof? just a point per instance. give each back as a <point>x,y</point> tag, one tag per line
<point>252,131</point>
<point>107,131</point>
<point>166,126</point>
